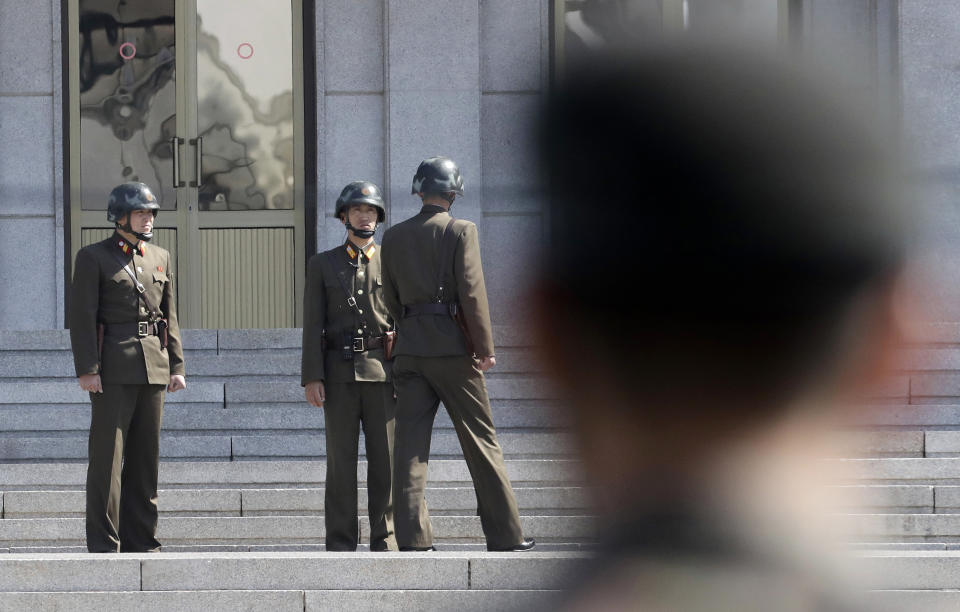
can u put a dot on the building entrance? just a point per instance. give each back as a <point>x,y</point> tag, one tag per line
<point>202,100</point>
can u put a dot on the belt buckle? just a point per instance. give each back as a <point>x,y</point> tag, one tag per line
<point>143,329</point>
<point>358,345</point>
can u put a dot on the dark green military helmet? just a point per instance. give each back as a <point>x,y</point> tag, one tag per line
<point>361,192</point>
<point>437,175</point>
<point>128,197</point>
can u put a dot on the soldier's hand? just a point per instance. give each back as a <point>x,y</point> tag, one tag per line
<point>177,382</point>
<point>315,393</point>
<point>91,383</point>
<point>487,362</point>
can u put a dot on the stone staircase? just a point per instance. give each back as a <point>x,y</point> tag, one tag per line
<point>242,484</point>
<point>242,489</point>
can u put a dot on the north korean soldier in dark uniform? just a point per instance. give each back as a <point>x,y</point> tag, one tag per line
<point>433,285</point>
<point>127,353</point>
<point>346,334</point>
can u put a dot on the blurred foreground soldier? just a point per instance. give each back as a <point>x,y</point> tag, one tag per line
<point>127,353</point>
<point>763,244</point>
<point>346,333</point>
<point>433,284</point>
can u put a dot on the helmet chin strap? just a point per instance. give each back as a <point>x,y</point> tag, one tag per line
<point>361,233</point>
<point>145,236</point>
<point>449,196</point>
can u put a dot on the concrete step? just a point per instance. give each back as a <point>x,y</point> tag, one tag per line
<point>885,499</point>
<point>878,443</point>
<point>220,355</point>
<point>499,387</point>
<point>903,599</point>
<point>25,365</point>
<point>282,601</point>
<point>283,502</point>
<point>896,443</point>
<point>178,572</point>
<point>910,570</point>
<point>910,416</point>
<point>928,359</point>
<point>587,546</point>
<point>927,471</point>
<point>278,474</point>
<point>903,528</point>
<point>288,445</point>
<point>505,338</point>
<point>279,530</point>
<point>935,388</point>
<point>187,417</point>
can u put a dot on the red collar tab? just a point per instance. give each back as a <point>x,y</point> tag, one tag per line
<point>127,248</point>
<point>368,251</point>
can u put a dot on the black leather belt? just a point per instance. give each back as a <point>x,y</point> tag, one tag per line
<point>139,329</point>
<point>431,308</point>
<point>362,345</point>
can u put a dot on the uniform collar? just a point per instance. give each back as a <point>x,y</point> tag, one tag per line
<point>433,209</point>
<point>128,248</point>
<point>352,250</point>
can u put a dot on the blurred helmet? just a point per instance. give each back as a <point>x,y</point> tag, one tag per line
<point>361,192</point>
<point>437,175</point>
<point>128,197</point>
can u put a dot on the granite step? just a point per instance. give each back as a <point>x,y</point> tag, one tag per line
<point>910,570</point>
<point>23,363</point>
<point>904,599</point>
<point>588,546</point>
<point>499,387</point>
<point>291,571</point>
<point>927,470</point>
<point>888,499</point>
<point>278,474</point>
<point>187,414</point>
<point>902,528</point>
<point>279,530</point>
<point>289,445</point>
<point>283,502</point>
<point>462,600</point>
<point>908,416</point>
<point>848,444</point>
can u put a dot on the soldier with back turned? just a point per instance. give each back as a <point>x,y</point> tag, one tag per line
<point>433,284</point>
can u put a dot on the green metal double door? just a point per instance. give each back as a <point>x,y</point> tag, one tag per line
<point>202,100</point>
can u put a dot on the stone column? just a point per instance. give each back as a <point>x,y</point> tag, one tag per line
<point>930,57</point>
<point>31,201</point>
<point>514,73</point>
<point>350,69</point>
<point>464,79</point>
<point>433,97</point>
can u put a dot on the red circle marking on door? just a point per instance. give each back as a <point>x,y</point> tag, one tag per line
<point>128,50</point>
<point>245,50</point>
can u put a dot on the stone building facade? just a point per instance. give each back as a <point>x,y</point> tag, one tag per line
<point>390,82</point>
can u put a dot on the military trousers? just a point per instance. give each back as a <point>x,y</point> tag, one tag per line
<point>348,407</point>
<point>124,456</point>
<point>422,383</point>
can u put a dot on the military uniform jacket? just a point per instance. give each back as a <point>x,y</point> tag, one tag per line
<point>325,309</point>
<point>411,256</point>
<point>103,292</point>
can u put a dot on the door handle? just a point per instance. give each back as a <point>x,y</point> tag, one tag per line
<point>198,148</point>
<point>175,144</point>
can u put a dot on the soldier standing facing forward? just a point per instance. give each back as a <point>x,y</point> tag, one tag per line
<point>127,353</point>
<point>346,331</point>
<point>433,285</point>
